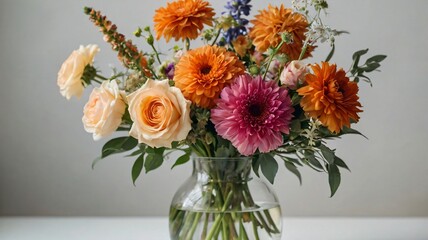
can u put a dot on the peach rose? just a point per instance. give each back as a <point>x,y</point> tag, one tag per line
<point>293,74</point>
<point>160,114</point>
<point>71,72</point>
<point>103,112</point>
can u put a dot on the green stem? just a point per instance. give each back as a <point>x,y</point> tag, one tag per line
<point>254,220</point>
<point>305,46</point>
<point>260,221</point>
<point>201,148</point>
<point>205,228</point>
<point>216,236</point>
<point>187,44</point>
<point>271,57</point>
<point>271,222</point>
<point>156,53</point>
<point>216,37</point>
<point>116,76</point>
<point>177,219</point>
<point>194,225</point>
<point>187,224</point>
<point>263,222</point>
<point>219,217</point>
<point>224,227</point>
<point>231,216</point>
<point>207,148</point>
<point>101,77</point>
<point>232,229</point>
<point>154,73</point>
<point>242,232</point>
<point>97,81</point>
<point>196,149</point>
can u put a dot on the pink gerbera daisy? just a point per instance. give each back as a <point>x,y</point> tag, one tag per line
<point>253,114</point>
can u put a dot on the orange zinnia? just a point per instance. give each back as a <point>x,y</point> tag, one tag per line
<point>182,19</point>
<point>202,73</point>
<point>330,97</point>
<point>270,23</point>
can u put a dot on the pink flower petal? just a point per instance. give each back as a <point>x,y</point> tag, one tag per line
<point>253,114</point>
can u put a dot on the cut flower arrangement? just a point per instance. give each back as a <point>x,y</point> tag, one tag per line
<point>248,92</point>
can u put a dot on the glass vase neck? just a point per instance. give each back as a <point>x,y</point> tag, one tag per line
<point>222,169</point>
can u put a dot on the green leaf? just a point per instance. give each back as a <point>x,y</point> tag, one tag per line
<point>182,159</point>
<point>129,144</point>
<point>367,80</point>
<point>153,161</point>
<point>118,145</point>
<point>155,150</point>
<point>330,55</point>
<point>358,54</point>
<point>356,79</point>
<point>364,77</point>
<point>269,166</point>
<point>325,133</point>
<point>333,178</point>
<point>370,67</point>
<point>314,163</point>
<point>137,167</point>
<point>376,58</point>
<point>327,153</point>
<point>222,151</point>
<point>135,153</point>
<point>295,129</point>
<point>150,150</point>
<point>340,32</point>
<point>371,64</point>
<point>292,160</point>
<point>295,99</point>
<point>292,168</point>
<point>95,161</point>
<point>295,125</point>
<point>340,163</point>
<point>356,59</point>
<point>346,130</point>
<point>256,165</point>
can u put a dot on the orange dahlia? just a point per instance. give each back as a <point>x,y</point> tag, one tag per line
<point>182,19</point>
<point>202,73</point>
<point>270,23</point>
<point>330,97</point>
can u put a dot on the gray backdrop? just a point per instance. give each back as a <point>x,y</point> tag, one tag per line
<point>45,160</point>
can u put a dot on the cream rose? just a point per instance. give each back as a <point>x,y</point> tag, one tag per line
<point>293,74</point>
<point>71,72</point>
<point>160,114</point>
<point>103,112</point>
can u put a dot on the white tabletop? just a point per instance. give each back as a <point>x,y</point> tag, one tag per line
<point>155,228</point>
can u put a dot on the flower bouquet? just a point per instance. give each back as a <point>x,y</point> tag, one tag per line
<point>243,100</point>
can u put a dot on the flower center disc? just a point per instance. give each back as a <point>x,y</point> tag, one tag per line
<point>255,110</point>
<point>205,70</point>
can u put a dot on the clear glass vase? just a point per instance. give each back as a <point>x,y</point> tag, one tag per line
<point>222,200</point>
